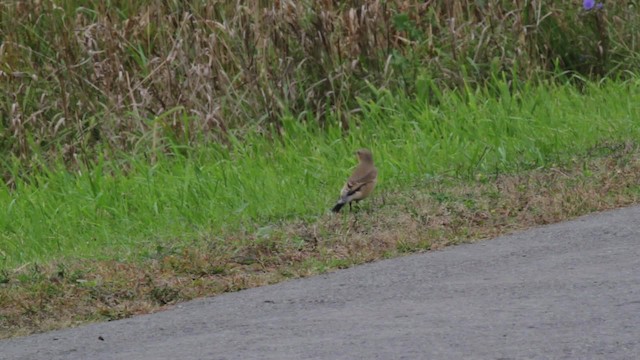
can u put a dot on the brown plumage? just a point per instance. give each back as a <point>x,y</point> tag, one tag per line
<point>361,183</point>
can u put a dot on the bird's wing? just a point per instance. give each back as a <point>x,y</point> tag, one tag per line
<point>360,178</point>
<point>363,175</point>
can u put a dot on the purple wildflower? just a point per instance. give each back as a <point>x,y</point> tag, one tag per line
<point>591,4</point>
<point>588,4</point>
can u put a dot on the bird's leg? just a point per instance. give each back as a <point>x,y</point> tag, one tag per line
<point>349,206</point>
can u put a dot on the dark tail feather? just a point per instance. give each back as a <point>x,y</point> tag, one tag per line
<point>337,207</point>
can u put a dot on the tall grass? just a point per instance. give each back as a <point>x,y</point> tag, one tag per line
<point>120,205</point>
<point>80,76</point>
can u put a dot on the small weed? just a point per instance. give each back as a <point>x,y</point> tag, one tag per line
<point>404,247</point>
<point>5,278</point>
<point>164,295</point>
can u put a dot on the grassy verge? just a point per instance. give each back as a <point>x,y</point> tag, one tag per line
<point>124,206</point>
<point>131,234</point>
<point>426,216</point>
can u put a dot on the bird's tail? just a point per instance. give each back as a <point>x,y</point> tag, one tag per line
<point>337,207</point>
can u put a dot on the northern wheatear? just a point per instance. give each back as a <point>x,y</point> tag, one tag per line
<point>360,183</point>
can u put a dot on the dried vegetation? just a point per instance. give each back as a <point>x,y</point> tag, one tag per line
<point>141,75</point>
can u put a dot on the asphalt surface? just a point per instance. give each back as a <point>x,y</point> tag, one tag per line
<point>565,291</point>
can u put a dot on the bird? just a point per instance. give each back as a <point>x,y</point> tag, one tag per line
<point>361,183</point>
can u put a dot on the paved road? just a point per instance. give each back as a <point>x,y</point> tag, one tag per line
<point>566,291</point>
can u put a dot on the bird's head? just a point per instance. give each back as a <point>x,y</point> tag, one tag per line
<point>364,155</point>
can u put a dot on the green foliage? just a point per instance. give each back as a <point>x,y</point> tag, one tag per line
<point>120,206</point>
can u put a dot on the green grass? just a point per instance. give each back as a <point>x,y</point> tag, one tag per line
<point>124,206</point>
